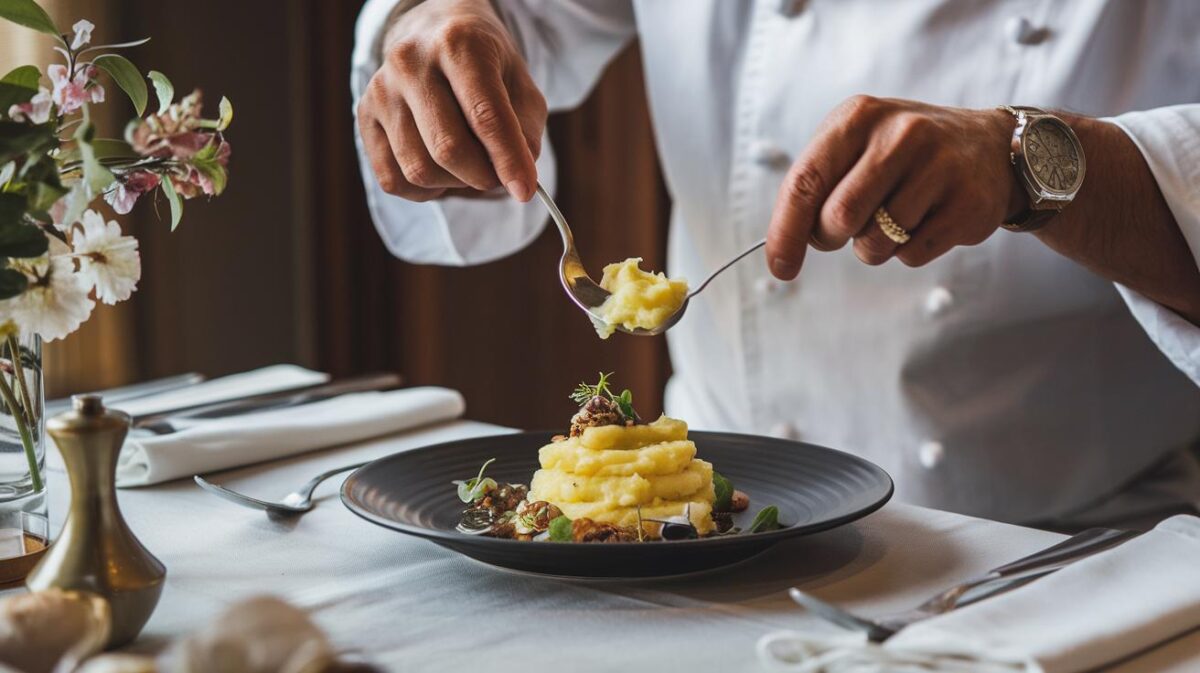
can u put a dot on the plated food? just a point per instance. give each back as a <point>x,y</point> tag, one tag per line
<point>612,478</point>
<point>638,299</point>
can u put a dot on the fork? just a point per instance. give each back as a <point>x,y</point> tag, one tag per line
<point>999,580</point>
<point>297,502</point>
<point>588,295</point>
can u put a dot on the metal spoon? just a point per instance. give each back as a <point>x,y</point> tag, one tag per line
<point>298,501</point>
<point>588,295</point>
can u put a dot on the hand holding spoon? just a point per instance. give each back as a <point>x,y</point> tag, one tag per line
<point>588,295</point>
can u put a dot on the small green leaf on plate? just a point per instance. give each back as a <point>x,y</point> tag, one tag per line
<point>767,519</point>
<point>560,529</point>
<point>127,76</point>
<point>163,89</point>
<point>724,491</point>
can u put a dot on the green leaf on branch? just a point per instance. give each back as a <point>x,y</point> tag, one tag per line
<point>95,175</point>
<point>17,139</point>
<point>24,240</point>
<point>163,89</point>
<point>12,207</point>
<point>26,76</point>
<point>18,86</point>
<point>226,109</point>
<point>206,162</point>
<point>173,198</point>
<point>127,76</point>
<point>102,148</point>
<point>43,195</point>
<point>12,283</point>
<point>29,14</point>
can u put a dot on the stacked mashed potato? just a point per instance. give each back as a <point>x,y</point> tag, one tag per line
<point>607,472</point>
<point>639,299</point>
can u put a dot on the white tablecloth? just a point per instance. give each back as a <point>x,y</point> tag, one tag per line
<point>410,605</point>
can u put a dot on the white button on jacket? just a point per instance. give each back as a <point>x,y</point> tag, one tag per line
<point>1044,378</point>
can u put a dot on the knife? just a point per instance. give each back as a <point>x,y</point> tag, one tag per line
<point>999,580</point>
<point>131,392</point>
<point>164,422</point>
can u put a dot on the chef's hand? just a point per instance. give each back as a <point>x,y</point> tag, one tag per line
<point>453,106</point>
<point>944,175</point>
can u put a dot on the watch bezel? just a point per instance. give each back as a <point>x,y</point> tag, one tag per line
<point>1042,196</point>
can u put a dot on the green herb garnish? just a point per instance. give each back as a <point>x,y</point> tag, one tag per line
<point>624,401</point>
<point>475,489</point>
<point>724,490</point>
<point>585,392</point>
<point>766,519</point>
<point>560,529</point>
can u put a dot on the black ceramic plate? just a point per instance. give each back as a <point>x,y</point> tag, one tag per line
<point>814,488</point>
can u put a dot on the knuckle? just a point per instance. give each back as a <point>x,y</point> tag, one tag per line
<point>419,173</point>
<point>485,116</point>
<point>462,37</point>
<point>860,105</point>
<point>407,57</point>
<point>390,182</point>
<point>842,217</point>
<point>446,149</point>
<point>911,128</point>
<point>804,187</point>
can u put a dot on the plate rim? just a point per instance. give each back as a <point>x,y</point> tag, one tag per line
<point>771,537</point>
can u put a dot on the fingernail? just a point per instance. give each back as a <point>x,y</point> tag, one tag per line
<point>518,190</point>
<point>784,269</point>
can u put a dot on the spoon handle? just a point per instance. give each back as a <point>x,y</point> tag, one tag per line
<point>557,216</point>
<point>728,264</point>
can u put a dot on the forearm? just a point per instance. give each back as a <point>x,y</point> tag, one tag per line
<point>1119,225</point>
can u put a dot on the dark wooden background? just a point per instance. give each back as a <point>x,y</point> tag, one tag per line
<point>286,266</point>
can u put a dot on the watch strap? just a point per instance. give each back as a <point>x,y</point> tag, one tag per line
<point>1029,220</point>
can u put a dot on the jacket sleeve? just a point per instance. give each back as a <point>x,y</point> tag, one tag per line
<point>1169,139</point>
<point>566,44</point>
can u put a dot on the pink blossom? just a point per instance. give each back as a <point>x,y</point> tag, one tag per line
<point>129,187</point>
<point>37,110</point>
<point>71,94</point>
<point>83,33</point>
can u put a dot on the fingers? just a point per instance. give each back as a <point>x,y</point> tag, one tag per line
<point>530,106</point>
<point>908,205</point>
<point>802,196</point>
<point>850,208</point>
<point>935,238</point>
<point>445,135</point>
<point>383,162</point>
<point>489,113</point>
<point>417,165</point>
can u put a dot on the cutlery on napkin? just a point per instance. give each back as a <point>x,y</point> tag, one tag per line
<point>202,445</point>
<point>1094,612</point>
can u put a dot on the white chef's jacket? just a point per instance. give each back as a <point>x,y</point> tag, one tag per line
<point>1002,380</point>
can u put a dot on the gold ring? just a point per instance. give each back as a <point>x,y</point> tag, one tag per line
<point>890,229</point>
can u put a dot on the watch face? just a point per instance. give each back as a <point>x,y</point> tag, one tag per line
<point>1053,156</point>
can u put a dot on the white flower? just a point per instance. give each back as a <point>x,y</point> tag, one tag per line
<point>37,110</point>
<point>56,302</point>
<point>107,260</point>
<point>83,33</point>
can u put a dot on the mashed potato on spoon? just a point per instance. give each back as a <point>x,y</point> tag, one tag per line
<point>640,299</point>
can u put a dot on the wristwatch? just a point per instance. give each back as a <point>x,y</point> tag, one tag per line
<point>1049,162</point>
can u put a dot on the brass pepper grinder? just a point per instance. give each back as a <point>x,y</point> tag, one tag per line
<point>96,551</point>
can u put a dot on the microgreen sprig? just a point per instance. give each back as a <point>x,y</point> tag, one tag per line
<point>475,489</point>
<point>624,401</point>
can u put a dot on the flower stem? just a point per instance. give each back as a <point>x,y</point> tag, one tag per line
<point>14,352</point>
<point>35,474</point>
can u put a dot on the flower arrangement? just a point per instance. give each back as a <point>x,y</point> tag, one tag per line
<point>59,255</point>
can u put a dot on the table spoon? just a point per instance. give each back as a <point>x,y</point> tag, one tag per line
<point>588,295</point>
<point>298,501</point>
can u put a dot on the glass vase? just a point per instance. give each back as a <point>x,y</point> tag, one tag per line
<point>22,426</point>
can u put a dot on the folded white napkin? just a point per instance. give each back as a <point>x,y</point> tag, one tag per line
<point>1093,612</point>
<point>255,382</point>
<point>207,445</point>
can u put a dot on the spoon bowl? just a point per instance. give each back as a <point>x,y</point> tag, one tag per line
<point>587,293</point>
